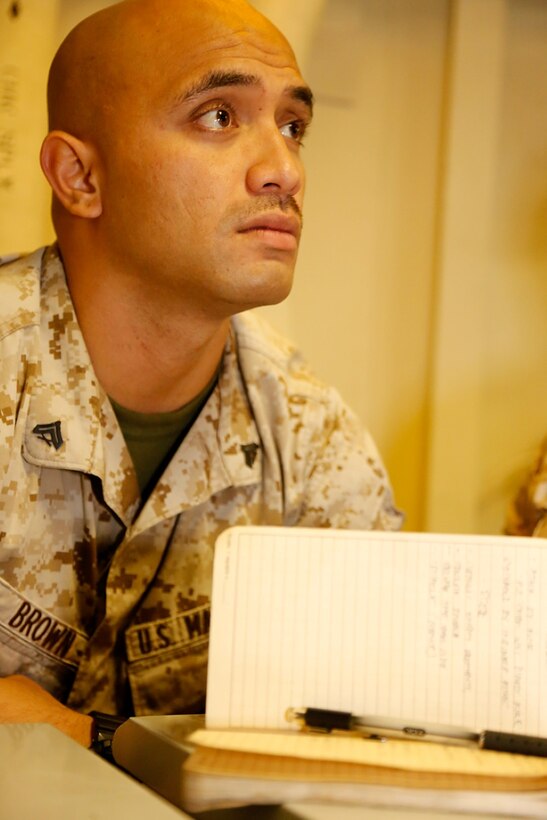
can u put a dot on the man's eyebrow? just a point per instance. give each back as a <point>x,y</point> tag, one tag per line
<point>303,94</point>
<point>221,79</point>
<point>218,79</point>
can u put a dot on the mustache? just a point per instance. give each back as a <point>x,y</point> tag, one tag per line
<point>271,202</point>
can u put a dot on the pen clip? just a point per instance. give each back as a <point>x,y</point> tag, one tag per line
<point>297,716</point>
<point>322,720</point>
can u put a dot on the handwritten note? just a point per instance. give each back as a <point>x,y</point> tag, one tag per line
<point>445,629</point>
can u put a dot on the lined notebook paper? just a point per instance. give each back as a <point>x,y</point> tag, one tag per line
<point>445,629</point>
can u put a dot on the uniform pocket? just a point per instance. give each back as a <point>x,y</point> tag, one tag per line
<point>171,682</point>
<point>167,663</point>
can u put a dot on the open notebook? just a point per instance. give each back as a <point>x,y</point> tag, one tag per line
<point>212,769</point>
<point>443,629</point>
<point>447,629</point>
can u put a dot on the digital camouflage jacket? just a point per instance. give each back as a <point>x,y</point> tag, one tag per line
<point>107,604</point>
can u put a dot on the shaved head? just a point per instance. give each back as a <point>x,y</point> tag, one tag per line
<point>132,44</point>
<point>174,152</point>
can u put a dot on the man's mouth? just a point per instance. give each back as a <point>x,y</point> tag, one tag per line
<point>281,231</point>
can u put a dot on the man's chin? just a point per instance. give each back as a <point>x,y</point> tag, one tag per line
<point>274,291</point>
<point>255,297</point>
<point>251,283</point>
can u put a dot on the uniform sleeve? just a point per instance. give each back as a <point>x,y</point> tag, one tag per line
<point>347,485</point>
<point>12,374</point>
<point>19,318</point>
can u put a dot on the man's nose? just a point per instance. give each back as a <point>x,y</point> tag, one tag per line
<point>276,166</point>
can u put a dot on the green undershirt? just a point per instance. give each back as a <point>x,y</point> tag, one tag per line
<point>153,438</point>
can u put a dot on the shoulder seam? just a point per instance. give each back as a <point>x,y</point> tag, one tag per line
<point>302,380</point>
<point>27,313</point>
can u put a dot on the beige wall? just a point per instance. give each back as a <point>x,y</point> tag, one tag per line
<point>421,286</point>
<point>489,389</point>
<point>362,301</point>
<point>25,53</point>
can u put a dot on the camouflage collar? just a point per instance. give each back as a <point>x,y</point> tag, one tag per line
<point>222,447</point>
<point>71,425</point>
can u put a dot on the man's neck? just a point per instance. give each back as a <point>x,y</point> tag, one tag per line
<point>148,356</point>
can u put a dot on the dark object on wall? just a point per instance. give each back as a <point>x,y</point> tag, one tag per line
<point>528,511</point>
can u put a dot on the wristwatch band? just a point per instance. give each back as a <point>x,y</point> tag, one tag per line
<point>102,734</point>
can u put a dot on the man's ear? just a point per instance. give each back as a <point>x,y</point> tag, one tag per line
<point>70,166</point>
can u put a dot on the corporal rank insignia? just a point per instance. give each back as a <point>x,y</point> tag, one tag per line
<point>50,433</point>
<point>249,451</point>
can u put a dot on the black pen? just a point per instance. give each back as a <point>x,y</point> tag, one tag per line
<point>326,720</point>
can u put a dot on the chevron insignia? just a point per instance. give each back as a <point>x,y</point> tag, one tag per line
<point>50,433</point>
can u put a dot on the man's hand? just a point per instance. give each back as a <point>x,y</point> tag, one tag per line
<point>24,701</point>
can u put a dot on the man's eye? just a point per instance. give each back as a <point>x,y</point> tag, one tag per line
<point>294,130</point>
<point>217,119</point>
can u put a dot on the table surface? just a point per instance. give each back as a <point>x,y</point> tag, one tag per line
<point>46,775</point>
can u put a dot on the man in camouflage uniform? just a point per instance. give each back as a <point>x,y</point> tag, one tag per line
<point>174,159</point>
